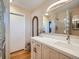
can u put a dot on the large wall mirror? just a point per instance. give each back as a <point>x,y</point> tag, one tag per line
<point>63,19</point>
<point>56,23</point>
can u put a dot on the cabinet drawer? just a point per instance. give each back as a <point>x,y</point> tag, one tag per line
<point>38,47</point>
<point>38,50</point>
<point>32,49</point>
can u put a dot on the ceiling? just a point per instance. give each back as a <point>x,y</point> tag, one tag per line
<point>33,4</point>
<point>29,4</point>
<point>63,7</point>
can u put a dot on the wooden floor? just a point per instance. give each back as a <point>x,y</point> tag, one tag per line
<point>21,55</point>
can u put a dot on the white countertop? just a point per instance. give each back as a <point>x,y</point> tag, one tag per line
<point>60,44</point>
<point>0,54</point>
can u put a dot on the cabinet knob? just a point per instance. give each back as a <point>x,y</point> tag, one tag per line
<point>38,45</point>
<point>35,50</point>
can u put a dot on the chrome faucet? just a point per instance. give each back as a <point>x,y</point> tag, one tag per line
<point>68,38</point>
<point>68,26</point>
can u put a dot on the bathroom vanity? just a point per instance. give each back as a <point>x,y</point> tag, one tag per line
<point>61,19</point>
<point>53,48</point>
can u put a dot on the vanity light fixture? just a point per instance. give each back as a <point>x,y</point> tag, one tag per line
<point>11,1</point>
<point>56,3</point>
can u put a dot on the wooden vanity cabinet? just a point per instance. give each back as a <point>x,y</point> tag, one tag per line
<point>40,51</point>
<point>35,50</point>
<point>45,52</point>
<point>54,54</point>
<point>64,57</point>
<point>33,45</point>
<point>48,53</point>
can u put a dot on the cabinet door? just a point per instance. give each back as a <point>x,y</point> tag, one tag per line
<point>54,54</point>
<point>33,46</point>
<point>38,51</point>
<point>64,57</point>
<point>45,52</point>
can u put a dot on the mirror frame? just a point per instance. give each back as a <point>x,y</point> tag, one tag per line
<point>35,17</point>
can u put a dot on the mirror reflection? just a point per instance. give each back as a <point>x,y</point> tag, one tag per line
<point>75,22</point>
<point>55,23</point>
<point>62,20</point>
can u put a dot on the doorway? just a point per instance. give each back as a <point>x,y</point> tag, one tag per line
<point>17,32</point>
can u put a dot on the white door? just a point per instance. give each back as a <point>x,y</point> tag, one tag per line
<point>17,32</point>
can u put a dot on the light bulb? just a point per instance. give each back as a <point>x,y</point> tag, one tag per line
<point>46,14</point>
<point>11,1</point>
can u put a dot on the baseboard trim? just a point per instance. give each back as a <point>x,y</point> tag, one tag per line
<point>16,51</point>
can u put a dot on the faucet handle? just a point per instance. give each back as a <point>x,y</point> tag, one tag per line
<point>68,37</point>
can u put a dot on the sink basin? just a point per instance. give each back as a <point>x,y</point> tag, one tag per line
<point>72,46</point>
